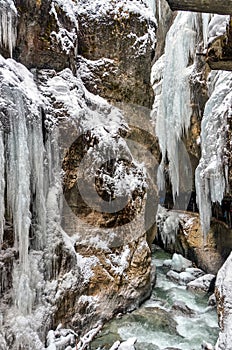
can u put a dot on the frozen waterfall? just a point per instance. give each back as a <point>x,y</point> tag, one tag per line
<point>174,111</point>
<point>212,171</point>
<point>22,160</point>
<point>8,19</point>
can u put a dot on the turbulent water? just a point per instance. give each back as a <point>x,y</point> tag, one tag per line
<point>161,322</point>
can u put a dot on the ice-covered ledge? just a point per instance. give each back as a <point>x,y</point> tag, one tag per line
<point>213,6</point>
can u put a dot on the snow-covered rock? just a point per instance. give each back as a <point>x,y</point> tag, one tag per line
<point>128,344</point>
<point>179,263</point>
<point>195,271</point>
<point>173,275</point>
<point>202,284</point>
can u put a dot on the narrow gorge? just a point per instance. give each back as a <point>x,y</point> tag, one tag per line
<point>115,140</point>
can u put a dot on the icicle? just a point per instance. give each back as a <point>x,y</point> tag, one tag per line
<point>205,27</point>
<point>8,19</point>
<point>174,112</point>
<point>38,185</point>
<point>54,201</point>
<point>2,187</point>
<point>211,173</point>
<point>18,180</point>
<point>18,198</point>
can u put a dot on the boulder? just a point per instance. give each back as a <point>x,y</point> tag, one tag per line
<point>181,308</point>
<point>179,263</point>
<point>202,284</point>
<point>173,276</point>
<point>128,344</point>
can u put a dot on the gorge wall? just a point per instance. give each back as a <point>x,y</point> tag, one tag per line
<point>75,232</point>
<point>84,135</point>
<point>197,70</point>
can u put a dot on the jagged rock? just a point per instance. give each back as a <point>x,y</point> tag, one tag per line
<point>212,6</point>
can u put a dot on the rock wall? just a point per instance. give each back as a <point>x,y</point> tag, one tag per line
<point>75,233</point>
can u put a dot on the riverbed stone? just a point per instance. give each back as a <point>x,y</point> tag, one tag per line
<point>180,308</point>
<point>147,346</point>
<point>195,271</point>
<point>128,344</point>
<point>173,275</point>
<point>179,263</point>
<point>185,277</point>
<point>202,284</point>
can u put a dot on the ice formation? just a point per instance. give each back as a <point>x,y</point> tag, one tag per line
<point>24,160</point>
<point>211,173</point>
<point>8,19</point>
<point>2,187</point>
<point>174,111</point>
<point>168,225</point>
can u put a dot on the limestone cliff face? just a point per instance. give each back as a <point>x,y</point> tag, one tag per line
<point>48,34</point>
<point>105,64</point>
<point>75,246</point>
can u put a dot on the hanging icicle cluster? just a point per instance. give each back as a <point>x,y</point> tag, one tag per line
<point>8,21</point>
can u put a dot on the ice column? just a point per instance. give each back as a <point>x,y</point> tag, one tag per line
<point>8,21</point>
<point>18,179</point>
<point>18,199</point>
<point>2,187</point>
<point>211,173</point>
<point>38,183</point>
<point>174,111</point>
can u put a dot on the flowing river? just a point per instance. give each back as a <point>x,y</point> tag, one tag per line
<point>173,318</point>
